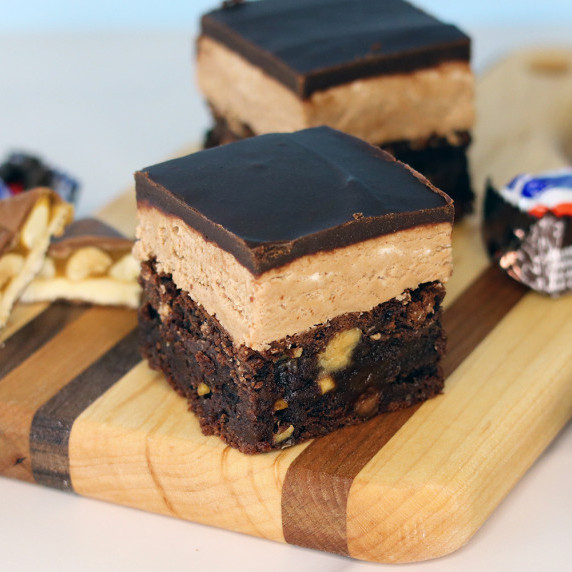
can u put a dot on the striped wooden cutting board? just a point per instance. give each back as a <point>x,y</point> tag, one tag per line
<point>80,411</point>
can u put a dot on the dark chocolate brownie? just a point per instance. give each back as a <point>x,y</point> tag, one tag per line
<point>262,400</point>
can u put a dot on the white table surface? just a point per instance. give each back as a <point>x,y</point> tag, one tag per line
<point>102,105</point>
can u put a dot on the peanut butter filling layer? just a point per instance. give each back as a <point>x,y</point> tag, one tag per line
<point>256,310</point>
<point>436,101</point>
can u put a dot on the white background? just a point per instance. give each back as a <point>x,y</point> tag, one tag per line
<point>172,14</point>
<point>105,88</point>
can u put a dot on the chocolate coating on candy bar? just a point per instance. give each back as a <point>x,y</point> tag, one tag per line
<point>13,214</point>
<point>89,232</point>
<point>310,45</point>
<point>274,198</point>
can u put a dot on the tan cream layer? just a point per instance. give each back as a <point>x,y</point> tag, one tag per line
<point>311,290</point>
<point>435,101</point>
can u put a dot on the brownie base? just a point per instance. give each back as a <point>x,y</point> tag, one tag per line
<point>259,401</point>
<point>445,165</point>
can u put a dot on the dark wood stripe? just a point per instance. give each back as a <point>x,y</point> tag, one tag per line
<point>36,333</point>
<point>475,314</point>
<point>317,483</point>
<point>53,422</point>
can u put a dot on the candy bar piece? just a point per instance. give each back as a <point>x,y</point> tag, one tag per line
<point>27,223</point>
<point>91,262</point>
<point>292,284</point>
<point>528,230</point>
<point>383,71</point>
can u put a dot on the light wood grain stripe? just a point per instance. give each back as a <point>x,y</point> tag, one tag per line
<point>52,423</point>
<point>36,333</point>
<point>138,445</point>
<point>317,484</point>
<point>28,386</point>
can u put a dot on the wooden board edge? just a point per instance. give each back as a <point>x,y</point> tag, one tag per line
<point>489,450</point>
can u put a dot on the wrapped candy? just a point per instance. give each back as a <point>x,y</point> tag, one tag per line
<point>527,229</point>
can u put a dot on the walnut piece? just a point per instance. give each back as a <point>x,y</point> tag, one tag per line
<point>326,384</point>
<point>203,389</point>
<point>280,405</point>
<point>338,352</point>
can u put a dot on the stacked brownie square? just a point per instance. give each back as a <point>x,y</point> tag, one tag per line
<point>383,71</point>
<point>292,284</point>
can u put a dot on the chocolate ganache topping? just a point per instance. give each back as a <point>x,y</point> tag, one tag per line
<point>274,198</point>
<point>310,45</point>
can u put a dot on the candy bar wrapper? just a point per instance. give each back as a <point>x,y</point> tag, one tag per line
<point>4,191</point>
<point>21,172</point>
<point>527,230</point>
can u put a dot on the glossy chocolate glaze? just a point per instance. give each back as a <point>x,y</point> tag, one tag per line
<point>274,198</point>
<point>310,45</point>
<point>444,164</point>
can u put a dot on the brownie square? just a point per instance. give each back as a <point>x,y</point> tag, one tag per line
<point>384,71</point>
<point>292,284</point>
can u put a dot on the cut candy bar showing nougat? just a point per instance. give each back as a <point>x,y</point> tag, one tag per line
<point>28,222</point>
<point>92,263</point>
